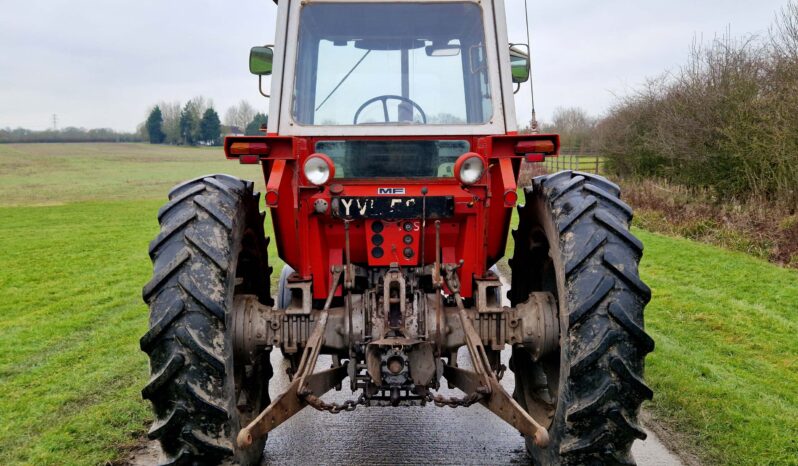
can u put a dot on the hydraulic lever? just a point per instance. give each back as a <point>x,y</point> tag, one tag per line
<point>306,383</point>
<point>482,380</point>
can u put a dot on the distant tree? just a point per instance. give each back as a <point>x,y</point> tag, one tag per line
<point>231,116</point>
<point>68,134</point>
<point>246,113</point>
<point>154,126</point>
<point>239,115</point>
<point>574,125</point>
<point>171,121</point>
<point>210,127</point>
<point>188,125</point>
<point>199,104</point>
<point>195,109</point>
<point>141,132</point>
<point>446,119</point>
<point>253,128</point>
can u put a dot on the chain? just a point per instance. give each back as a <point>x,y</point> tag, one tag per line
<point>500,372</point>
<point>333,408</point>
<point>466,401</point>
<point>351,405</point>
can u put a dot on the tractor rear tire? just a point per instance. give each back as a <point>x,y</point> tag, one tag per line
<point>573,240</point>
<point>211,247</point>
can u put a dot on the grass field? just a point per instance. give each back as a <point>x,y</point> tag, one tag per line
<point>52,174</point>
<point>725,369</point>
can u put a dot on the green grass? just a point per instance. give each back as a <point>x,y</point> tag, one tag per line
<point>70,319</point>
<point>71,275</point>
<point>725,370</point>
<point>51,174</point>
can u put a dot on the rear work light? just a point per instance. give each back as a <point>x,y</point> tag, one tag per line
<point>469,167</point>
<point>318,169</point>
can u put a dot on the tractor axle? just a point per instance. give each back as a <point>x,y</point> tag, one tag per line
<point>393,341</point>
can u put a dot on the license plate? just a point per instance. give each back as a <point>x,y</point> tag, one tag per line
<point>393,208</point>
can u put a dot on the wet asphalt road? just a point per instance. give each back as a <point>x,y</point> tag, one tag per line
<point>409,435</point>
<point>392,436</point>
<point>398,436</point>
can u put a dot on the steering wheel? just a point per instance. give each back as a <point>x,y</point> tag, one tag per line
<point>384,99</point>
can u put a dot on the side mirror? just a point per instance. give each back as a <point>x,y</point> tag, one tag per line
<point>519,63</point>
<point>260,60</point>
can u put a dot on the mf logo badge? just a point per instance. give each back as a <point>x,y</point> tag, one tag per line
<point>390,190</point>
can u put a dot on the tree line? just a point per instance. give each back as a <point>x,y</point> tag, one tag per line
<point>576,129</point>
<point>69,134</point>
<point>726,121</point>
<point>198,123</point>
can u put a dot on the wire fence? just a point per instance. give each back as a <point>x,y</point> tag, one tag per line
<point>585,162</point>
<point>589,162</point>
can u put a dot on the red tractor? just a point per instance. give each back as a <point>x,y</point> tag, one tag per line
<point>391,163</point>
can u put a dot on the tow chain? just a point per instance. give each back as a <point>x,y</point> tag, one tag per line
<point>333,408</point>
<point>466,401</point>
<point>500,372</point>
<point>350,405</point>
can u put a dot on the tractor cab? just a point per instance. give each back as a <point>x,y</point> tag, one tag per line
<point>390,68</point>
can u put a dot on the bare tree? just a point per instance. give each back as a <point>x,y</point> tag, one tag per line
<point>171,121</point>
<point>240,115</point>
<point>784,33</point>
<point>574,125</point>
<point>699,125</point>
<point>231,116</point>
<point>245,114</point>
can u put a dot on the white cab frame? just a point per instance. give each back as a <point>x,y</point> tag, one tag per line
<point>498,58</point>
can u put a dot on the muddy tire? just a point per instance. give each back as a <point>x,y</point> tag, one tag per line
<point>210,248</point>
<point>573,240</point>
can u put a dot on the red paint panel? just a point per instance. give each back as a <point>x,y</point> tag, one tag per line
<point>311,242</point>
<point>390,241</point>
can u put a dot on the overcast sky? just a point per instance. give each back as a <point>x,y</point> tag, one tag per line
<point>103,63</point>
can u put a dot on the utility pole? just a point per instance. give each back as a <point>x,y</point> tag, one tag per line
<point>55,122</point>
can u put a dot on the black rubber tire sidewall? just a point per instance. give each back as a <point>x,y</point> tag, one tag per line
<point>595,420</point>
<point>195,260</point>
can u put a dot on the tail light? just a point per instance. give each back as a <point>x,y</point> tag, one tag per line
<point>246,152</point>
<point>536,150</point>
